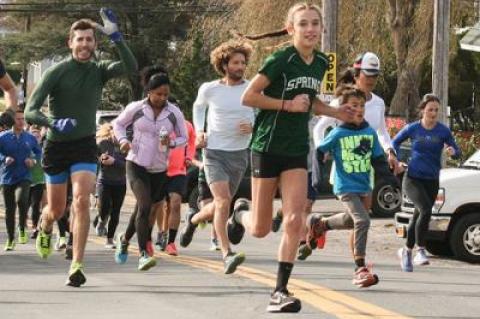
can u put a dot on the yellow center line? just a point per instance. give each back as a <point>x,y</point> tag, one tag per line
<point>325,299</point>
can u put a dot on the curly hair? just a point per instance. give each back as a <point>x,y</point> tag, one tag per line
<point>222,54</point>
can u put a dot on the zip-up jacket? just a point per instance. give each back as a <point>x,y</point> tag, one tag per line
<point>20,148</point>
<point>146,150</point>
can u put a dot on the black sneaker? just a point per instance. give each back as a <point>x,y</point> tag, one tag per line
<point>186,235</point>
<point>304,251</point>
<point>34,234</point>
<point>235,230</point>
<point>68,252</point>
<point>162,240</point>
<point>232,261</point>
<point>76,277</point>
<point>277,221</point>
<point>283,301</point>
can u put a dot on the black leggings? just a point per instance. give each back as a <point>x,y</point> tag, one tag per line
<point>16,195</point>
<point>148,188</point>
<point>35,202</point>
<point>422,192</point>
<point>110,199</point>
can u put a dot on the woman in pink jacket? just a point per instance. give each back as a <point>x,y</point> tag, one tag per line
<point>150,122</point>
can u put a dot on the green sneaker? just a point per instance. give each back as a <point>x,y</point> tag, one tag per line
<point>9,245</point>
<point>232,261</point>
<point>43,244</point>
<point>76,277</point>
<point>145,262</point>
<point>22,237</point>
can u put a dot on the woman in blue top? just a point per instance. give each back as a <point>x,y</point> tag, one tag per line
<point>428,137</point>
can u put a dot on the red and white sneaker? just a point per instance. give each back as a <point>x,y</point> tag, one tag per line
<point>317,230</point>
<point>364,277</point>
<point>171,249</point>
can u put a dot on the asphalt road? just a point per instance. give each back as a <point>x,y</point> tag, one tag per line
<point>193,285</point>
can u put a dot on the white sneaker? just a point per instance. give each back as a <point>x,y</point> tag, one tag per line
<point>214,244</point>
<point>61,243</point>
<point>110,244</point>
<point>421,258</point>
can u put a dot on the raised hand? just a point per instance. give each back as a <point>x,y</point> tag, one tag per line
<point>345,113</point>
<point>65,125</point>
<point>110,25</point>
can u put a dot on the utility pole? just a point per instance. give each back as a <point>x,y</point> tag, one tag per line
<point>329,36</point>
<point>329,47</point>
<point>28,22</point>
<point>441,28</point>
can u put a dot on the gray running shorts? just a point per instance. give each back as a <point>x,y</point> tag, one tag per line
<point>225,166</point>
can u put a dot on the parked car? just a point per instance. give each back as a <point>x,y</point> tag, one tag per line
<point>454,228</point>
<point>105,117</point>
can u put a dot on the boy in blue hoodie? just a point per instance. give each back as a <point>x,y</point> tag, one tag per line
<point>355,149</point>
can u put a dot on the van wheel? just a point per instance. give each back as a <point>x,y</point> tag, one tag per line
<point>465,238</point>
<point>386,199</point>
<point>439,248</point>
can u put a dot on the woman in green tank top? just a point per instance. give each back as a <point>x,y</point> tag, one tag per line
<point>285,90</point>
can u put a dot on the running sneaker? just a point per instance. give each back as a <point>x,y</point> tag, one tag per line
<point>304,251</point>
<point>110,244</point>
<point>22,236</point>
<point>317,229</point>
<point>162,240</point>
<point>214,246</point>
<point>171,249</point>
<point>149,248</point>
<point>145,262</point>
<point>405,256</point>
<point>34,234</point>
<point>69,252</point>
<point>186,234</point>
<point>61,243</point>
<point>9,245</point>
<point>95,221</point>
<point>101,230</point>
<point>277,221</point>
<point>283,301</point>
<point>235,230</point>
<point>232,261</point>
<point>363,277</point>
<point>76,277</point>
<point>43,244</point>
<point>121,252</point>
<point>421,258</point>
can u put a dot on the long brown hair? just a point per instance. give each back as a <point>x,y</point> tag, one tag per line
<point>288,22</point>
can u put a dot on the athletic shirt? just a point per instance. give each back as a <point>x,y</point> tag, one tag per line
<point>225,113</point>
<point>283,133</point>
<point>427,147</point>
<point>352,149</point>
<point>74,90</point>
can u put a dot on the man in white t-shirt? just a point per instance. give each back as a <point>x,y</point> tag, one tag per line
<point>225,142</point>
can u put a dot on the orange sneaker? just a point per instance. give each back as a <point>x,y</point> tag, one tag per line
<point>149,249</point>
<point>171,249</point>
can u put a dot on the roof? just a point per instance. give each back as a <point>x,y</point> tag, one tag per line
<point>471,40</point>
